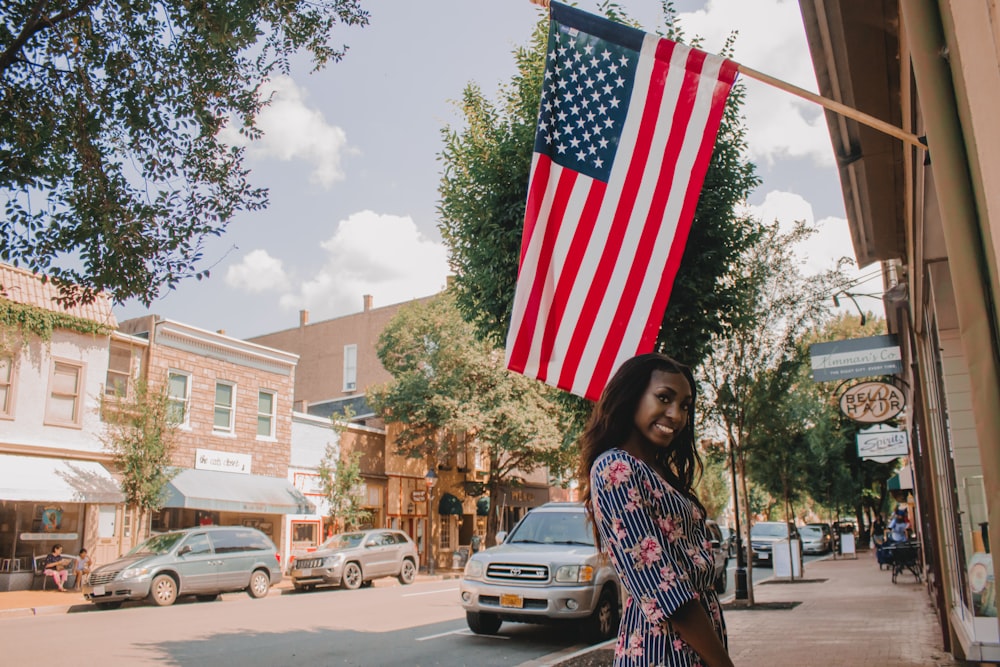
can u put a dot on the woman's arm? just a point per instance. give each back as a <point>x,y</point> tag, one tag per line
<point>694,626</point>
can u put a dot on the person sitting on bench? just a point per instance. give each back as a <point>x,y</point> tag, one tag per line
<point>55,567</point>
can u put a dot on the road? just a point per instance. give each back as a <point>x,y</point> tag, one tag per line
<point>389,624</point>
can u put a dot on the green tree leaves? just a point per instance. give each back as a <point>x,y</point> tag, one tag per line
<point>111,166</point>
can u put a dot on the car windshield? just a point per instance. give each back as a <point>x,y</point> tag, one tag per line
<point>810,531</point>
<point>769,530</point>
<point>553,528</point>
<point>343,541</point>
<point>158,544</point>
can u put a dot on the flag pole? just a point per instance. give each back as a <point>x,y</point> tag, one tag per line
<point>826,102</point>
<point>836,107</point>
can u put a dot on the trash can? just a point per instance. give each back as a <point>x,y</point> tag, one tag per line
<point>784,562</point>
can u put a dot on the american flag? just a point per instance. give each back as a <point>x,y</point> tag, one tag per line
<point>625,134</point>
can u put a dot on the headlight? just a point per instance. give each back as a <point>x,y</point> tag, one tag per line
<point>331,561</point>
<point>574,574</point>
<point>474,569</point>
<point>134,572</point>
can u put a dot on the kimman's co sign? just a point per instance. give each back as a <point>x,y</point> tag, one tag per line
<point>855,358</point>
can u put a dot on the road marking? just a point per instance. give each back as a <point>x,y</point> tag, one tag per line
<point>566,654</point>
<point>462,631</point>
<point>443,590</point>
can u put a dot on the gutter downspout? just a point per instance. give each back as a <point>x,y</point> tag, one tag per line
<point>960,223</point>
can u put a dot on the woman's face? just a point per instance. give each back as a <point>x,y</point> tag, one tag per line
<point>663,408</point>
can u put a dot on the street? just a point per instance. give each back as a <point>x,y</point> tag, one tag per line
<point>389,624</point>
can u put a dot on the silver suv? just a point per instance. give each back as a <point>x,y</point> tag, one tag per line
<point>545,570</point>
<point>353,560</point>
<point>202,561</point>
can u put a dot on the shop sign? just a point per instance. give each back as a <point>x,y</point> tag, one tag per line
<point>872,402</point>
<point>855,358</point>
<point>210,459</point>
<point>418,496</point>
<point>882,443</point>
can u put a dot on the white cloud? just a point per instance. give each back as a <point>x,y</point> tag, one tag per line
<point>385,256</point>
<point>771,40</point>
<point>294,130</point>
<point>257,272</point>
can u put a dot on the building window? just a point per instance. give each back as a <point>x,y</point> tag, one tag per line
<point>65,382</point>
<point>445,531</point>
<point>266,403</point>
<point>6,386</point>
<point>477,459</point>
<point>119,370</point>
<point>350,367</point>
<point>225,400</point>
<point>178,397</point>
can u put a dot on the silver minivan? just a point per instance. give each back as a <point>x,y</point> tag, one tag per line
<point>203,562</point>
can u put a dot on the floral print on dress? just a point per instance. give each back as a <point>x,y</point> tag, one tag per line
<point>658,544</point>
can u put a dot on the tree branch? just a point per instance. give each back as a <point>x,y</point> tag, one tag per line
<point>35,24</point>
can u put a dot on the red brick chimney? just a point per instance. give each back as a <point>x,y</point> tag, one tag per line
<point>368,302</point>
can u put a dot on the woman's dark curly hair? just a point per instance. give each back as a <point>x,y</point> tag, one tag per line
<point>613,419</point>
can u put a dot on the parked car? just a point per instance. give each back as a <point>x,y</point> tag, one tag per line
<point>203,562</point>
<point>817,538</point>
<point>721,553</point>
<point>728,541</point>
<point>355,559</point>
<point>546,570</point>
<point>764,534</point>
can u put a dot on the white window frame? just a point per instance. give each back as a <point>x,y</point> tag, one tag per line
<point>185,401</point>
<point>77,420</point>
<point>8,383</point>
<point>232,408</point>
<point>129,374</point>
<point>272,416</point>
<point>350,367</point>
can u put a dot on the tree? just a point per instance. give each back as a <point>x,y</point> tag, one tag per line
<point>111,160</point>
<point>341,482</point>
<point>754,360</point>
<point>448,382</point>
<point>483,193</point>
<point>140,433</point>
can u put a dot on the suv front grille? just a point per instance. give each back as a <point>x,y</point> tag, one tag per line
<point>517,572</point>
<point>306,564</point>
<point>104,577</point>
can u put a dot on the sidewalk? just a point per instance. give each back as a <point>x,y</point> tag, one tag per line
<point>848,613</point>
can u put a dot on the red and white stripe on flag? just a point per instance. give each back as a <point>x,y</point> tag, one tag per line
<point>599,254</point>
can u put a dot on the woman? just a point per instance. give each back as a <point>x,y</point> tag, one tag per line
<point>638,466</point>
<point>55,567</point>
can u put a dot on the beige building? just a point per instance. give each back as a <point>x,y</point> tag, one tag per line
<point>932,217</point>
<point>232,402</point>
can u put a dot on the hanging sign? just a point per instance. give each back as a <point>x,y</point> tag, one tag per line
<point>855,358</point>
<point>418,496</point>
<point>872,402</point>
<point>882,443</point>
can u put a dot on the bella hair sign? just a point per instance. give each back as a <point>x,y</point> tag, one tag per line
<point>872,402</point>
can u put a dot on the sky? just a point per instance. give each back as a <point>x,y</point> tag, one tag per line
<point>350,155</point>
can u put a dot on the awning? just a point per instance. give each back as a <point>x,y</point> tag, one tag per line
<point>41,479</point>
<point>449,504</point>
<point>902,480</point>
<point>234,492</point>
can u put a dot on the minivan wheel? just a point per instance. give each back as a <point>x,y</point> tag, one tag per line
<point>483,624</point>
<point>352,577</point>
<point>260,582</point>
<point>163,590</point>
<point>720,581</point>
<point>408,572</point>
<point>603,623</point>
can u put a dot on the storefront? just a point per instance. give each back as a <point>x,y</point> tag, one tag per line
<point>49,501</point>
<point>513,502</point>
<point>210,497</point>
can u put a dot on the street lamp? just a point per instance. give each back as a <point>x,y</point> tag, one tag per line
<point>431,479</point>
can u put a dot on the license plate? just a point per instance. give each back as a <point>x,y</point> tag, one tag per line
<point>763,555</point>
<point>515,601</point>
<point>98,590</point>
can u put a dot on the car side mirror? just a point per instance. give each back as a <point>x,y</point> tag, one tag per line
<point>186,549</point>
<point>716,544</point>
<point>370,543</point>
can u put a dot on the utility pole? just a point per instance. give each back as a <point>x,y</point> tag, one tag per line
<point>741,555</point>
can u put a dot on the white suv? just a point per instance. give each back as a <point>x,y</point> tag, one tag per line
<point>545,570</point>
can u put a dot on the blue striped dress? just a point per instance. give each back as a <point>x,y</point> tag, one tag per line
<point>657,541</point>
